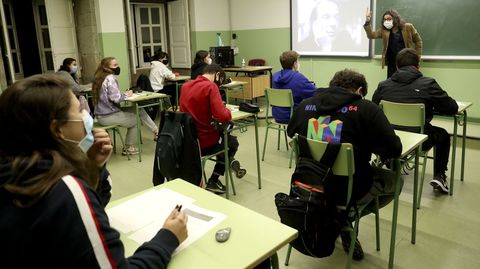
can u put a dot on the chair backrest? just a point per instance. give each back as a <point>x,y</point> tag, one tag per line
<point>280,98</point>
<point>256,62</point>
<point>344,164</point>
<point>403,114</point>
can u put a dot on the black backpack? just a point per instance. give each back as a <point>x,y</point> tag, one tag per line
<point>311,205</point>
<point>177,153</point>
<point>143,83</point>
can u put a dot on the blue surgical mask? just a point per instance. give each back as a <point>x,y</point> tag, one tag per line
<point>86,143</point>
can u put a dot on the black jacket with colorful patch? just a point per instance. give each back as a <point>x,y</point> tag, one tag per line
<point>338,115</point>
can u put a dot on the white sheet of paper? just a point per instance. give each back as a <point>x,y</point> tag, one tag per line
<point>137,216</point>
<point>144,209</point>
<point>200,221</point>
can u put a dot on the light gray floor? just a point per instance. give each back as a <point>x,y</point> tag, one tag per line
<point>448,234</point>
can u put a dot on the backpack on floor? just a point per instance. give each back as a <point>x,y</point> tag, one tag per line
<point>177,153</point>
<point>310,207</point>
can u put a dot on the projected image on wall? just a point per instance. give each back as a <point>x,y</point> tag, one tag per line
<point>329,27</point>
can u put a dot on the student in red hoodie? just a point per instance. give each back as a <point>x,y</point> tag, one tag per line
<point>201,98</point>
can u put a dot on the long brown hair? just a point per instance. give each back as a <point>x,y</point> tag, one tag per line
<point>31,110</point>
<point>103,70</point>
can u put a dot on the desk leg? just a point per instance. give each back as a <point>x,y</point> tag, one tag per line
<point>454,153</point>
<point>463,144</point>
<point>258,152</point>
<point>274,261</point>
<point>176,95</point>
<point>398,170</point>
<point>227,163</point>
<point>139,132</point>
<point>415,194</point>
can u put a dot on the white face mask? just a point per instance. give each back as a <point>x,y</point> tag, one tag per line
<point>388,24</point>
<point>209,60</point>
<point>73,69</point>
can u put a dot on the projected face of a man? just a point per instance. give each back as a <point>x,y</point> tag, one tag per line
<point>325,23</point>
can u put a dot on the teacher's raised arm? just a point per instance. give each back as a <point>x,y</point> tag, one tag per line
<point>396,35</point>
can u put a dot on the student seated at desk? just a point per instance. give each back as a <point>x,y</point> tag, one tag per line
<point>202,59</point>
<point>408,85</point>
<point>159,74</point>
<point>356,121</point>
<point>201,98</point>
<point>50,159</point>
<point>107,99</point>
<point>68,71</point>
<point>291,78</point>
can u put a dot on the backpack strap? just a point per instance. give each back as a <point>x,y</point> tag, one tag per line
<point>329,156</point>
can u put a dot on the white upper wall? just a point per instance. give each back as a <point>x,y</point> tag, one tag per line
<point>110,18</point>
<point>259,14</point>
<point>210,15</point>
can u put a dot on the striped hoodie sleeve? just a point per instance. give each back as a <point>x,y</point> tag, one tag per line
<point>107,250</point>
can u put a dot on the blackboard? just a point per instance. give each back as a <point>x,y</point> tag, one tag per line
<point>449,28</point>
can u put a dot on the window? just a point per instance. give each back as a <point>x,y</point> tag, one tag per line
<point>43,35</point>
<point>149,25</point>
<point>12,37</point>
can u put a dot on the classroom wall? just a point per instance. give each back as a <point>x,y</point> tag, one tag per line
<point>112,36</point>
<point>263,30</point>
<point>207,18</point>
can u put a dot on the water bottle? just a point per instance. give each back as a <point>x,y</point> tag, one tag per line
<point>219,40</point>
<point>243,62</point>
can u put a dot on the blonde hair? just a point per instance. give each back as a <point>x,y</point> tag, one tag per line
<point>103,70</point>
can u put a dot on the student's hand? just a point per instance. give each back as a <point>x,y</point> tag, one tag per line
<point>101,148</point>
<point>177,224</point>
<point>129,93</point>
<point>368,16</point>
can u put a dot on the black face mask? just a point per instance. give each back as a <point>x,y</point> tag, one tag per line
<point>116,70</point>
<point>165,62</point>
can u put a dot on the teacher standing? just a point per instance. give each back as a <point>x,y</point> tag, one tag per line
<point>396,34</point>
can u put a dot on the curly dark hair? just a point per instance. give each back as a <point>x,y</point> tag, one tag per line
<point>350,80</point>
<point>398,21</point>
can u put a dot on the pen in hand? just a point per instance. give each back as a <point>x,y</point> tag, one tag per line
<point>178,208</point>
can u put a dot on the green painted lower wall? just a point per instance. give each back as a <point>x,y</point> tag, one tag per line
<point>458,78</point>
<point>115,45</point>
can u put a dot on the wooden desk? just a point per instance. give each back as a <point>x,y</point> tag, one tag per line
<point>459,119</point>
<point>256,84</point>
<point>254,237</point>
<point>410,142</point>
<point>234,86</point>
<point>135,99</point>
<point>178,80</point>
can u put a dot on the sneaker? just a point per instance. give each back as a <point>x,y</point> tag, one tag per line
<point>130,151</point>
<point>215,186</point>
<point>439,183</point>
<point>239,171</point>
<point>357,250</point>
